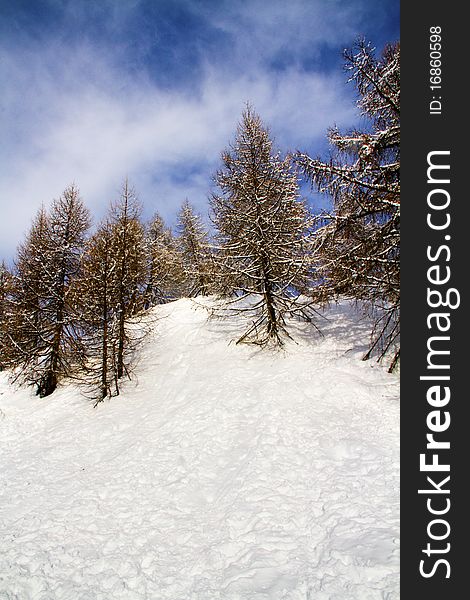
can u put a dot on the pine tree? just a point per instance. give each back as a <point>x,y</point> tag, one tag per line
<point>194,247</point>
<point>262,227</point>
<point>164,264</point>
<point>358,247</point>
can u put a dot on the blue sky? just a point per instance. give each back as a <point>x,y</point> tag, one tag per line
<point>94,91</point>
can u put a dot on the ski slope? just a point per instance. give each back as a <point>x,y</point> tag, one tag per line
<point>220,472</point>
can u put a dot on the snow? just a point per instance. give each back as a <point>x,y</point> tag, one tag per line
<point>221,472</point>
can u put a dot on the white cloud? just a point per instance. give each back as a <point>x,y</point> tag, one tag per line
<point>71,114</point>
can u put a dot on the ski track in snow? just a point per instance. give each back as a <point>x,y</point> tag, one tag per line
<point>221,472</point>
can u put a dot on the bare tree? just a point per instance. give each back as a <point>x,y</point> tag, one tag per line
<point>357,248</point>
<point>262,228</point>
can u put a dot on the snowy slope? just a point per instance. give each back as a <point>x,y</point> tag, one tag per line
<point>221,472</point>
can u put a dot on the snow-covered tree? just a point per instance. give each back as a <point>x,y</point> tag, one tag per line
<point>357,249</point>
<point>195,252</point>
<point>130,270</point>
<point>5,289</point>
<point>262,228</point>
<point>110,295</point>
<point>165,273</point>
<point>44,340</point>
<point>24,306</point>
<point>95,295</point>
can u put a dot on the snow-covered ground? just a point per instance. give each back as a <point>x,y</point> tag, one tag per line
<point>221,472</point>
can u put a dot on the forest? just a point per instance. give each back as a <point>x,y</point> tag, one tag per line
<point>71,301</point>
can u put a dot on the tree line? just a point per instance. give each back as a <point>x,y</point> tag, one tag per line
<point>70,305</point>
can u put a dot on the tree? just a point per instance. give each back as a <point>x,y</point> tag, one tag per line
<point>262,228</point>
<point>5,289</point>
<point>195,252</point>
<point>45,343</point>
<point>95,293</point>
<point>357,248</point>
<point>24,305</point>
<point>110,293</point>
<point>130,270</point>
<point>165,274</point>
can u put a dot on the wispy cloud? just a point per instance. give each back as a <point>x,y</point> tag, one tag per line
<point>94,110</point>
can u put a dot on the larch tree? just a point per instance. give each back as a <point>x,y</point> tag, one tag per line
<point>165,275</point>
<point>195,251</point>
<point>45,342</point>
<point>261,231</point>
<point>25,304</point>
<point>357,249</point>
<point>95,293</point>
<point>5,289</point>
<point>130,271</point>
